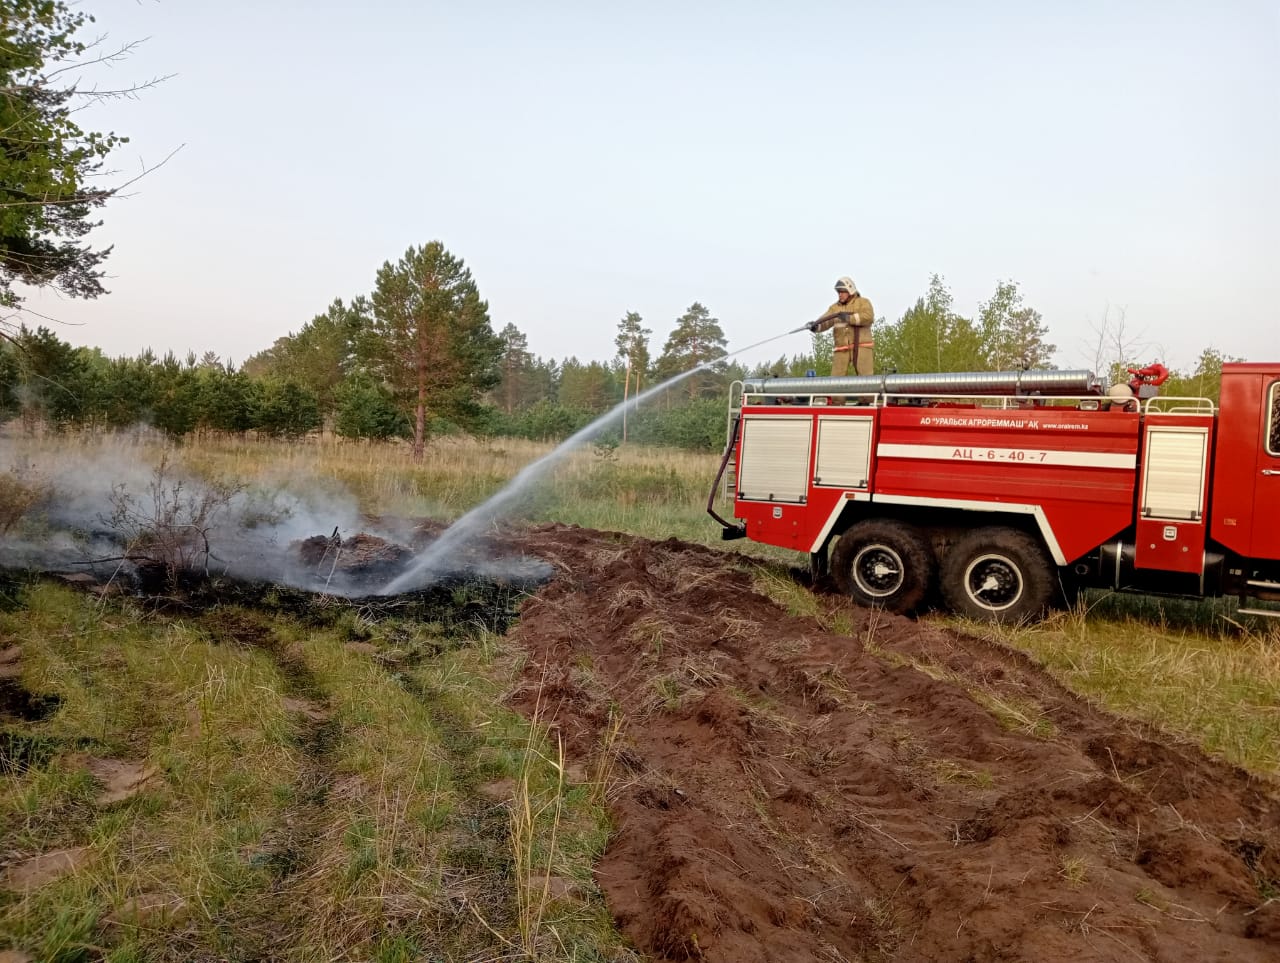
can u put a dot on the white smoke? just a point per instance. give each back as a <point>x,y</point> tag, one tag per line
<point>99,495</point>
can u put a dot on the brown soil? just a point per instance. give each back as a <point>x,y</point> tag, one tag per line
<point>908,793</point>
<point>145,909</point>
<point>35,871</point>
<point>311,711</point>
<point>120,779</point>
<point>11,662</point>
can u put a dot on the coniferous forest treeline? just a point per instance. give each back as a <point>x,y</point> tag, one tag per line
<point>419,358</point>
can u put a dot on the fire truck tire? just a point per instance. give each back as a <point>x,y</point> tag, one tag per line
<point>884,564</point>
<point>998,575</point>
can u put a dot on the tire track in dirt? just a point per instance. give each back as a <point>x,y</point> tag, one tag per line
<point>474,861</point>
<point>289,849</point>
<point>477,864</point>
<point>905,794</point>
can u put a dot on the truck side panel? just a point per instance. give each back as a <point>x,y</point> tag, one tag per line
<point>1266,497</point>
<point>1244,513</point>
<point>1173,493</point>
<point>1080,468</point>
<point>779,457</point>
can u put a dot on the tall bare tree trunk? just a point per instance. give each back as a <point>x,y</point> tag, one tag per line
<point>420,413</point>
<point>626,385</point>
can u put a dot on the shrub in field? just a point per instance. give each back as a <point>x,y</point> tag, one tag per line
<point>545,421</point>
<point>698,425</point>
<point>285,408</point>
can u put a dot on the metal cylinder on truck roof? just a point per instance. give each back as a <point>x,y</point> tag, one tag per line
<point>1073,382</point>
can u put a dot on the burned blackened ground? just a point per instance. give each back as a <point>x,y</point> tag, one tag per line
<point>785,793</point>
<point>172,562</point>
<point>323,577</point>
<point>454,602</point>
<point>19,748</point>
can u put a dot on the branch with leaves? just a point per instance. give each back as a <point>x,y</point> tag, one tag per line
<point>50,166</point>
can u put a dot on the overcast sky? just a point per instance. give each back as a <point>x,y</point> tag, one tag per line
<point>586,159</point>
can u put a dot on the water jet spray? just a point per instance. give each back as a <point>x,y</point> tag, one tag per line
<point>431,564</point>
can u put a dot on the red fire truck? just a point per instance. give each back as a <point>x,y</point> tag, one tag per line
<point>1004,492</point>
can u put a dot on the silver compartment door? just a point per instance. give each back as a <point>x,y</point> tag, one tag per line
<point>1173,473</point>
<point>844,452</point>
<point>775,458</point>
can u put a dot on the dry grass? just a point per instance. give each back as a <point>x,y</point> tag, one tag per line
<point>777,584</point>
<point>1015,714</point>
<point>20,492</point>
<point>1074,869</point>
<point>653,492</point>
<point>1218,688</point>
<point>606,760</point>
<point>951,772</point>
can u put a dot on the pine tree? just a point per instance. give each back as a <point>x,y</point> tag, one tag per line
<point>632,342</point>
<point>587,387</point>
<point>367,409</point>
<point>515,368</point>
<point>285,408</point>
<point>430,341</point>
<point>321,354</point>
<point>176,408</point>
<point>695,340</point>
<point>50,168</point>
<point>8,381</point>
<point>544,381</point>
<point>225,399</point>
<point>52,379</point>
<point>127,394</point>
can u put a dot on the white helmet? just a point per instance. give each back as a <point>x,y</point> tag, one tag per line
<point>846,284</point>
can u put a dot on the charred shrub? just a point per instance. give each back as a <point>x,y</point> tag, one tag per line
<point>165,532</point>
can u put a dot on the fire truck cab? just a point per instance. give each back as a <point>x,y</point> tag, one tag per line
<point>1000,493</point>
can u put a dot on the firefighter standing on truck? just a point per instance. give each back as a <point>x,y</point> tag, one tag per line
<point>851,317</point>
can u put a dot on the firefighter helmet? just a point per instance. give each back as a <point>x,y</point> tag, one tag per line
<point>846,284</point>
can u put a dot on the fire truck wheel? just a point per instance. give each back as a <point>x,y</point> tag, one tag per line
<point>998,575</point>
<point>884,564</point>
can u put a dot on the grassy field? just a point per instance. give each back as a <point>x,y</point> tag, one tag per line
<point>1192,669</point>
<point>310,786</point>
<point>650,492</point>
<point>363,774</point>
